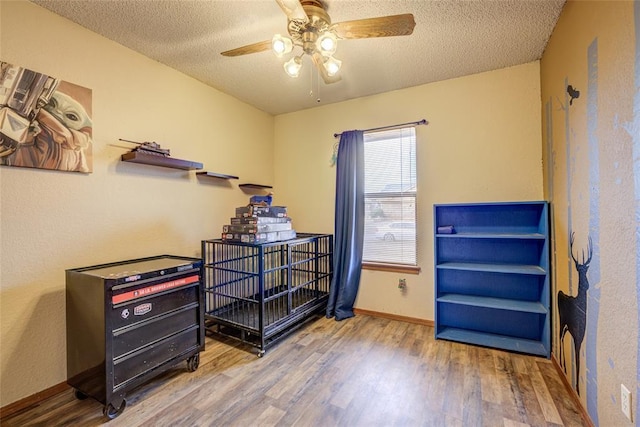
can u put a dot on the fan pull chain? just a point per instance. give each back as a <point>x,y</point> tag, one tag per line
<point>317,84</point>
<point>311,82</point>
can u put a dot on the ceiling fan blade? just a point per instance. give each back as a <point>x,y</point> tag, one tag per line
<point>250,48</point>
<point>293,9</point>
<point>383,26</point>
<point>317,59</point>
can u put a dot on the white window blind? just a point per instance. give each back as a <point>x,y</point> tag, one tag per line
<point>390,196</point>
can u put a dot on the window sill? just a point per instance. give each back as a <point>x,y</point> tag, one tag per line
<point>395,268</point>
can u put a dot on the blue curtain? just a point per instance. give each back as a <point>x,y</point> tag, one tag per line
<point>349,226</point>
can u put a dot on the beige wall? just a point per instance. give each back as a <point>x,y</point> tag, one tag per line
<point>592,176</point>
<point>52,221</point>
<point>482,144</point>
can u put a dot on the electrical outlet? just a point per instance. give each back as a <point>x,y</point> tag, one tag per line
<point>402,284</point>
<point>625,401</point>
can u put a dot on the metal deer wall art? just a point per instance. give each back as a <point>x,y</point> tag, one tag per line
<point>573,309</point>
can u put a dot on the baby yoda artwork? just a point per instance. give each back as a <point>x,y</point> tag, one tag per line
<point>44,122</point>
<point>68,111</point>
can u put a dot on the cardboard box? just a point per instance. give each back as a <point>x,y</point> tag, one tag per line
<point>240,228</point>
<point>256,228</point>
<point>261,211</point>
<point>274,236</point>
<point>260,220</point>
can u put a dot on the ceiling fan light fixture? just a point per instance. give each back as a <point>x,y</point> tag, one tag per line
<point>292,67</point>
<point>327,43</point>
<point>281,45</point>
<point>332,65</point>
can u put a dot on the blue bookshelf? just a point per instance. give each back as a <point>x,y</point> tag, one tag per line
<point>492,277</point>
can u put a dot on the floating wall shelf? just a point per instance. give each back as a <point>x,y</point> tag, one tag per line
<point>216,175</point>
<point>157,160</point>
<point>257,186</point>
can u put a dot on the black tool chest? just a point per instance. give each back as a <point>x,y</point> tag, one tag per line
<point>130,321</point>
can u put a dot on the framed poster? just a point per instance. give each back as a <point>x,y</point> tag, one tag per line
<point>45,122</point>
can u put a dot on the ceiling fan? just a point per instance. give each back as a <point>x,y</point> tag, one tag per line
<point>310,28</point>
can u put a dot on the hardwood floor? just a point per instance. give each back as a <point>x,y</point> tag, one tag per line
<point>364,371</point>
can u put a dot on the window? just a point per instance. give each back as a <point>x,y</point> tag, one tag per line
<point>390,197</point>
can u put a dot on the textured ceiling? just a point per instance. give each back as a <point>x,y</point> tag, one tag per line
<point>452,38</point>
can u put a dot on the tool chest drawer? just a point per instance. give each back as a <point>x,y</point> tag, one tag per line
<point>132,312</point>
<point>137,363</point>
<point>154,329</point>
<point>130,321</point>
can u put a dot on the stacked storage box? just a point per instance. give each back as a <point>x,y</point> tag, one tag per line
<point>257,223</point>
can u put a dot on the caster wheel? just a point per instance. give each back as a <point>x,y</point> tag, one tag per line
<point>193,362</point>
<point>79,395</point>
<point>260,353</point>
<point>111,412</point>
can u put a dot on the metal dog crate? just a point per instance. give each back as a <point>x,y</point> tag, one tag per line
<point>258,293</point>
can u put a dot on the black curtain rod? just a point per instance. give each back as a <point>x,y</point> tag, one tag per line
<point>420,122</point>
